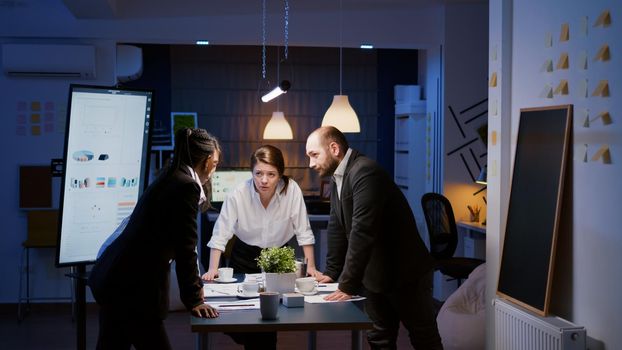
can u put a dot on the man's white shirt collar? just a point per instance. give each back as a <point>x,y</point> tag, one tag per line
<point>341,170</point>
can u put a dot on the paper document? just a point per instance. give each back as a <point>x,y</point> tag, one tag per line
<point>212,290</point>
<point>327,287</point>
<point>224,306</point>
<point>319,299</point>
<point>253,277</point>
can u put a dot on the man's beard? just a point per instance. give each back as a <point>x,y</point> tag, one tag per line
<point>331,166</point>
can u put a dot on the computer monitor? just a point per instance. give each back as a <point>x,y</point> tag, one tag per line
<point>224,181</point>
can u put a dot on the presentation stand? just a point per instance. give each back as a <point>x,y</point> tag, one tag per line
<point>105,170</point>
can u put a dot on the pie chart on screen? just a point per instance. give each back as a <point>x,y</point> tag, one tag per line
<point>82,156</point>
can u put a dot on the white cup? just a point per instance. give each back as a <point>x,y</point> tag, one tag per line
<point>225,273</point>
<point>248,288</point>
<point>306,284</point>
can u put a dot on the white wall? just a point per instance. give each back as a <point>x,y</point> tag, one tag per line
<point>587,277</point>
<point>46,279</point>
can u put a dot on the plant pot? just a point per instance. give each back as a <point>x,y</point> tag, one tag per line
<point>279,282</point>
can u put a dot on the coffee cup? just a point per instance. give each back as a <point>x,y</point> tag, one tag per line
<point>269,305</point>
<point>248,288</point>
<point>306,284</point>
<point>225,273</point>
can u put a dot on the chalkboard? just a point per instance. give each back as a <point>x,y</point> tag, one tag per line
<point>542,145</point>
<point>105,166</point>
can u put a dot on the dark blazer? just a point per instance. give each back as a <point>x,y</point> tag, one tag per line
<point>133,272</point>
<point>373,239</point>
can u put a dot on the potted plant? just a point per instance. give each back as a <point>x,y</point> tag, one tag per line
<point>279,269</point>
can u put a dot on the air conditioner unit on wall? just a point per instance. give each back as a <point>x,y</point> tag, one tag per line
<point>53,61</point>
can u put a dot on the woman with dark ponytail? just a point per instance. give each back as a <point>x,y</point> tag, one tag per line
<point>265,211</point>
<point>130,280</point>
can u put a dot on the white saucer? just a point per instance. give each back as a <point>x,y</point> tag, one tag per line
<point>248,296</point>
<point>313,292</point>
<point>220,280</point>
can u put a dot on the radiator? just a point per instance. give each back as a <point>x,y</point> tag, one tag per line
<point>519,329</point>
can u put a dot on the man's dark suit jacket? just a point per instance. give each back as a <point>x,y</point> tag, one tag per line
<point>373,239</point>
<point>133,272</point>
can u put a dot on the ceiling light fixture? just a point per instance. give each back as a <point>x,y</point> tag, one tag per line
<point>277,91</point>
<point>367,46</point>
<point>202,42</point>
<point>278,128</point>
<point>340,114</point>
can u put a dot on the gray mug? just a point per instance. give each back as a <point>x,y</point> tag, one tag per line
<point>269,305</point>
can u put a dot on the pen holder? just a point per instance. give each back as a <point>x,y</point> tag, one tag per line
<point>474,213</point>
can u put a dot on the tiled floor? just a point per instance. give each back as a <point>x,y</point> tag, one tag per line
<point>50,327</point>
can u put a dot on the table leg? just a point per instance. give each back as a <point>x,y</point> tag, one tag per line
<point>312,341</point>
<point>203,341</point>
<point>357,340</point>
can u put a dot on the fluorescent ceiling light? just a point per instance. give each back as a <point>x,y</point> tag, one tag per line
<point>367,46</point>
<point>202,42</point>
<point>277,91</point>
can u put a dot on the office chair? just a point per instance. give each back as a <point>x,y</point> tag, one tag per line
<point>443,233</point>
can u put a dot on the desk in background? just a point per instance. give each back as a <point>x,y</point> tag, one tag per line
<point>474,238</point>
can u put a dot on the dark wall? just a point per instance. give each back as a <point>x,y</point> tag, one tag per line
<point>395,67</point>
<point>223,82</point>
<point>157,76</point>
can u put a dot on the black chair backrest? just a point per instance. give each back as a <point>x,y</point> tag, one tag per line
<point>442,230</point>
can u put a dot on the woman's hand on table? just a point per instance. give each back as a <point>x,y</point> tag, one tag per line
<point>338,296</point>
<point>210,275</point>
<point>312,272</point>
<point>204,310</point>
<point>322,278</point>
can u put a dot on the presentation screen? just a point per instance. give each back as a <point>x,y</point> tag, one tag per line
<point>224,181</point>
<point>105,166</point>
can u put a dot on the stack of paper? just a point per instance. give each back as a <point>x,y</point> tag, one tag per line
<point>250,304</point>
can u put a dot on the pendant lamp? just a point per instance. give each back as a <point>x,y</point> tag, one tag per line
<point>340,114</point>
<point>278,128</point>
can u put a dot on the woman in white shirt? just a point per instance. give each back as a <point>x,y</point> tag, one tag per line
<point>265,211</point>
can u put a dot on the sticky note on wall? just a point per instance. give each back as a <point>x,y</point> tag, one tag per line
<point>564,35</point>
<point>605,117</point>
<point>602,89</point>
<point>562,62</point>
<point>602,154</point>
<point>604,19</point>
<point>582,91</point>
<point>562,87</point>
<point>603,53</point>
<point>547,92</point>
<point>547,66</point>
<point>584,115</point>
<point>493,80</point>
<point>548,40</point>
<point>582,60</point>
<point>583,26</point>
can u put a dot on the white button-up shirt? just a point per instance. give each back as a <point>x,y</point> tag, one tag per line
<point>340,171</point>
<point>243,214</point>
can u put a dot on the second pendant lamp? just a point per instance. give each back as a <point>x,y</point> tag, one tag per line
<point>340,114</point>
